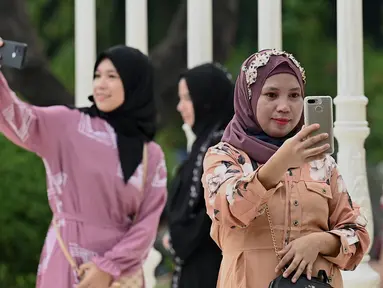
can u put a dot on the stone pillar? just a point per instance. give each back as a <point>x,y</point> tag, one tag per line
<point>136,27</point>
<point>351,126</point>
<point>269,24</point>
<point>85,49</point>
<point>199,32</point>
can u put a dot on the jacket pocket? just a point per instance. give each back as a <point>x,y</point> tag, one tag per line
<point>321,188</point>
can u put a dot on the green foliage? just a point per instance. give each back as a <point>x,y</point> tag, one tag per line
<point>24,214</point>
<point>54,21</point>
<point>11,280</point>
<point>373,85</point>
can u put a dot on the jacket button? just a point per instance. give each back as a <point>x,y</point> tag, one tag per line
<point>296,223</point>
<point>296,203</point>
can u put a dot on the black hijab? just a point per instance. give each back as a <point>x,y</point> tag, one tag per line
<point>211,91</point>
<point>134,120</point>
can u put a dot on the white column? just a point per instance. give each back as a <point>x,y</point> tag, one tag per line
<point>85,49</point>
<point>269,24</point>
<point>199,32</point>
<point>351,126</point>
<point>136,24</point>
<point>136,35</point>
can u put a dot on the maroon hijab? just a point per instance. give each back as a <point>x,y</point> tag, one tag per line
<point>244,131</point>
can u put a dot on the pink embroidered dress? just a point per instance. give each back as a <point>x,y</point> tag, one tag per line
<point>86,190</point>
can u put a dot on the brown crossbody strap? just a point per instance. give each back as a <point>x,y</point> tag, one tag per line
<point>64,249</point>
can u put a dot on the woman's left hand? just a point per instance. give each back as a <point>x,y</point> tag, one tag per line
<point>301,254</point>
<point>94,277</point>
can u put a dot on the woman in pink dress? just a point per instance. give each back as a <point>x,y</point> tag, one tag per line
<point>105,209</point>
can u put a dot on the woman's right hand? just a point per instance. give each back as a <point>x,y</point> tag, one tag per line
<point>299,149</point>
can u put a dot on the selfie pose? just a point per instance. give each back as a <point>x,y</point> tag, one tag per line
<point>276,199</point>
<point>197,257</point>
<point>106,177</point>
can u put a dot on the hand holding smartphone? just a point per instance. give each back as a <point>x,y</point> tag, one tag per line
<point>12,54</point>
<point>319,110</point>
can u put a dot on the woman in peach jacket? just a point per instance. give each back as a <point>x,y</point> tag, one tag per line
<point>267,165</point>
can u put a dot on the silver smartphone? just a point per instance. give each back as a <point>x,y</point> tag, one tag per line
<point>319,110</point>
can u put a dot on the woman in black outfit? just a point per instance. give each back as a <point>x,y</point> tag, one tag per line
<point>206,106</point>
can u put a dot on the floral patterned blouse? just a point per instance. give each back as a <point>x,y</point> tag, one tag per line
<point>312,198</point>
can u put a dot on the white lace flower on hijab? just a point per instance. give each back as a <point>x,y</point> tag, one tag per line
<point>261,59</point>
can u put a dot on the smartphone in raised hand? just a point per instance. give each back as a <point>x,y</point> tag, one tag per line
<point>319,110</point>
<point>13,54</point>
